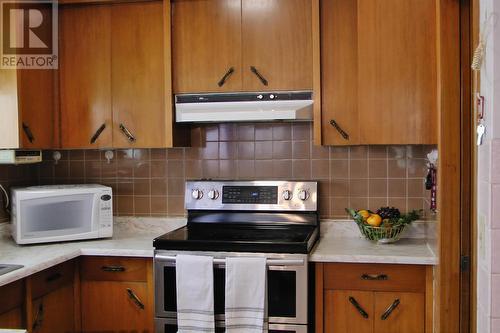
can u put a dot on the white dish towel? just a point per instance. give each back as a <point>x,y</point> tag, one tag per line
<point>195,294</point>
<point>245,294</point>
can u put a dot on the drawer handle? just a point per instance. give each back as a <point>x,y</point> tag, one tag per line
<point>226,77</point>
<point>130,137</point>
<point>259,76</point>
<point>53,277</point>
<point>28,132</point>
<point>113,268</point>
<point>339,129</point>
<point>389,310</point>
<point>37,322</point>
<point>374,277</point>
<point>134,298</point>
<point>97,133</point>
<point>358,307</point>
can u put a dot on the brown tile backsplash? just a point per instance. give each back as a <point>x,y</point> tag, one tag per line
<point>150,182</point>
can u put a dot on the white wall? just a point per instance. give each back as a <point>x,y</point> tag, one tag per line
<point>488,195</point>
<point>9,136</point>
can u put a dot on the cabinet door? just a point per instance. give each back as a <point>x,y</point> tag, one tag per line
<point>343,311</point>
<point>54,312</point>
<point>277,43</point>
<point>397,71</point>
<point>38,125</point>
<point>339,67</point>
<point>206,45</point>
<point>85,76</point>
<point>399,312</point>
<point>138,76</point>
<point>116,306</point>
<point>12,318</point>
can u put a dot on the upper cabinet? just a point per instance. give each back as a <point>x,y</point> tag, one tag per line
<point>241,45</point>
<point>115,75</point>
<point>378,72</point>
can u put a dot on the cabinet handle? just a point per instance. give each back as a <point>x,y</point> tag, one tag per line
<point>389,310</point>
<point>53,277</point>
<point>97,133</point>
<point>134,298</point>
<point>358,307</point>
<point>225,77</point>
<point>374,277</point>
<point>261,78</point>
<point>37,322</point>
<point>127,133</point>
<point>28,133</point>
<point>339,129</point>
<point>113,268</point>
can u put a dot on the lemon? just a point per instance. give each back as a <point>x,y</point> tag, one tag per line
<point>364,213</point>
<point>374,220</point>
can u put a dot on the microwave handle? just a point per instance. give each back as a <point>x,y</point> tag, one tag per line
<point>218,261</point>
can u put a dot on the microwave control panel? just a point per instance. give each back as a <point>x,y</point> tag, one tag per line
<point>106,214</point>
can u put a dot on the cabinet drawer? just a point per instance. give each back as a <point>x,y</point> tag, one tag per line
<point>52,279</point>
<point>12,296</point>
<point>375,277</point>
<point>113,269</point>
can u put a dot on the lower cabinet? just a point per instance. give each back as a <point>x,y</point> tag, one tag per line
<point>116,294</point>
<point>12,305</point>
<point>53,299</point>
<point>372,298</point>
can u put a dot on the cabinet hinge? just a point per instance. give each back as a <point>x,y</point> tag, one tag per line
<point>464,263</point>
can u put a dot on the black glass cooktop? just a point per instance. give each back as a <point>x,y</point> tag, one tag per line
<point>240,238</point>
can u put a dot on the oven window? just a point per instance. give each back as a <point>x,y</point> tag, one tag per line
<point>282,298</point>
<point>170,293</point>
<point>172,328</point>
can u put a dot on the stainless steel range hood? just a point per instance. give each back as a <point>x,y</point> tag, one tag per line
<point>244,107</point>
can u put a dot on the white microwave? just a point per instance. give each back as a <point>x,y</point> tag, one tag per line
<point>55,213</point>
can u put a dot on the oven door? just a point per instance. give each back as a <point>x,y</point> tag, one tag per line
<point>169,325</point>
<point>287,281</point>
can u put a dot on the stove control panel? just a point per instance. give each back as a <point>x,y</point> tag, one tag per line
<point>251,195</point>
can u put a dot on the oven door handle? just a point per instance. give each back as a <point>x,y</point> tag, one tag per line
<point>218,261</point>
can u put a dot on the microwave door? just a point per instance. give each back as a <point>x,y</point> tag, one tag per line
<point>55,218</point>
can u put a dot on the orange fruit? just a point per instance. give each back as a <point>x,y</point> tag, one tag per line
<point>374,220</point>
<point>364,213</point>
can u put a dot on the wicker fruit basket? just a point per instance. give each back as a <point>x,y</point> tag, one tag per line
<point>389,230</point>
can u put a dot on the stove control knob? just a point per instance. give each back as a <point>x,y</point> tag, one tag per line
<point>197,194</point>
<point>303,195</point>
<point>287,195</point>
<point>213,194</point>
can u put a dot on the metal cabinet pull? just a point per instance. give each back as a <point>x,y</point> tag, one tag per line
<point>97,133</point>
<point>225,77</point>
<point>358,307</point>
<point>53,277</point>
<point>127,133</point>
<point>134,298</point>
<point>28,133</point>
<point>37,322</point>
<point>389,310</point>
<point>261,78</point>
<point>374,277</point>
<point>113,268</point>
<point>339,129</point>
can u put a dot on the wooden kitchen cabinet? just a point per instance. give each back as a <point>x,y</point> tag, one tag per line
<point>116,294</point>
<point>225,45</point>
<point>373,298</point>
<point>12,305</point>
<point>53,299</point>
<point>85,76</point>
<point>115,76</point>
<point>378,72</point>
<point>206,37</point>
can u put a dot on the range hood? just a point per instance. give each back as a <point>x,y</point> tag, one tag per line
<point>244,107</point>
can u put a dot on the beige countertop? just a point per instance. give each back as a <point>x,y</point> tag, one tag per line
<point>133,237</point>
